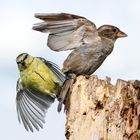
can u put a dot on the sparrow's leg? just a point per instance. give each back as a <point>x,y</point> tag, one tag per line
<point>67,99</point>
<point>65,92</point>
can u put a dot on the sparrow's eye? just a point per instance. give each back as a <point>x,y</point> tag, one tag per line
<point>114,30</point>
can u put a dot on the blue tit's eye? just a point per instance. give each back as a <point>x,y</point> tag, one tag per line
<point>21,63</point>
<point>18,62</point>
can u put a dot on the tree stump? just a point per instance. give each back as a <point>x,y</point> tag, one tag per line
<point>99,110</point>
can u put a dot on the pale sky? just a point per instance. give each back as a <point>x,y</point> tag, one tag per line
<point>17,36</point>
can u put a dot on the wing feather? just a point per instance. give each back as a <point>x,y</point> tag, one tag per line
<point>66,31</point>
<point>31,107</point>
<point>28,116</point>
<point>31,113</point>
<point>55,69</point>
<point>24,119</point>
<point>40,111</point>
<point>56,16</point>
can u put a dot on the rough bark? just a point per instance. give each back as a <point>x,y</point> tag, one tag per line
<point>99,110</point>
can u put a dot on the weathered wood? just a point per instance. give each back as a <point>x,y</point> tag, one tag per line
<point>99,110</point>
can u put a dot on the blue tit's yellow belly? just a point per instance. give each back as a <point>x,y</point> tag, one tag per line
<point>40,78</point>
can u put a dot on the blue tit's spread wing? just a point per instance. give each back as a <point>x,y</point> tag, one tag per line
<point>55,69</point>
<point>66,31</point>
<point>31,107</point>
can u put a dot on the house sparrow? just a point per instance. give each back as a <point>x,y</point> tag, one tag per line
<point>39,84</point>
<point>90,45</point>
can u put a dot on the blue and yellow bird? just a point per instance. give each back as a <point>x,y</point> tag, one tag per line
<point>39,84</point>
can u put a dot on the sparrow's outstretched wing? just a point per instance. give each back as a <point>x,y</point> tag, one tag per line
<point>66,31</point>
<point>31,107</point>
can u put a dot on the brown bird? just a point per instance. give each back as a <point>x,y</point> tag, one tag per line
<point>90,45</point>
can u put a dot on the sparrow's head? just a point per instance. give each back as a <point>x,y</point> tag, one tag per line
<point>24,60</point>
<point>110,32</point>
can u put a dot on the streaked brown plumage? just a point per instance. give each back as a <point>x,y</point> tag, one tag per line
<point>90,45</point>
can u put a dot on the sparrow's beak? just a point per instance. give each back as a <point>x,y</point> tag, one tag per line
<point>121,34</point>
